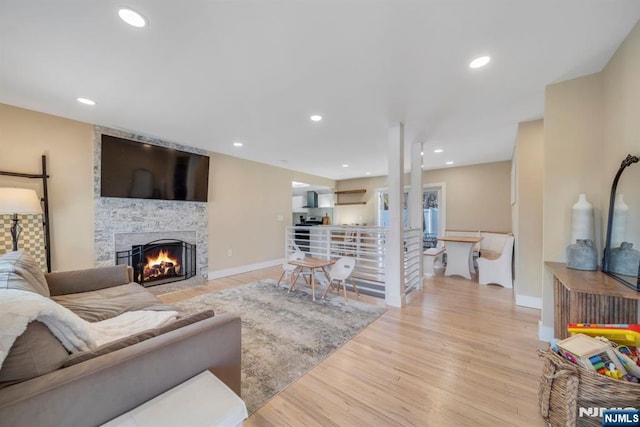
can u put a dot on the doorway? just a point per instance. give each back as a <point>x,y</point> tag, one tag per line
<point>433,212</point>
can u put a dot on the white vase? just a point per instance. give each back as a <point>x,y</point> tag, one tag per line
<point>582,220</point>
<point>619,222</point>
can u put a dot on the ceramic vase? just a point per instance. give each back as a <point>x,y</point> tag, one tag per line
<point>624,260</point>
<point>619,222</point>
<point>582,220</point>
<point>582,255</point>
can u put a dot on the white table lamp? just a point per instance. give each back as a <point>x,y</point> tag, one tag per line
<point>16,201</point>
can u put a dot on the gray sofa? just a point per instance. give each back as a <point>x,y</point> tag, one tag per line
<point>43,385</point>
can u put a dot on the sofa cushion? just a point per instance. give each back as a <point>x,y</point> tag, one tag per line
<point>101,304</point>
<point>71,282</point>
<point>184,321</point>
<point>36,352</point>
<point>18,270</point>
<point>134,339</point>
<point>109,347</point>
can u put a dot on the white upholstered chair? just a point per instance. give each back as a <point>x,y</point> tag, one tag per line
<point>498,270</point>
<point>340,272</point>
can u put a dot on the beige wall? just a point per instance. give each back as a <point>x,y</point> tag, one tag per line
<point>621,126</point>
<point>247,199</point>
<point>572,156</point>
<point>249,209</point>
<point>591,124</point>
<point>24,137</point>
<point>572,165</point>
<point>477,197</point>
<point>527,211</point>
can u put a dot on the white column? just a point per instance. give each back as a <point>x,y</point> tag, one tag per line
<point>415,194</point>
<point>394,274</point>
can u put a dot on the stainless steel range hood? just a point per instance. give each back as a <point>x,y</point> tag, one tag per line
<point>312,200</point>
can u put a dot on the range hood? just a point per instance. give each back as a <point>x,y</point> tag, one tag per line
<point>312,200</point>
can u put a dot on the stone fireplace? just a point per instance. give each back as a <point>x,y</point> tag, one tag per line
<point>122,223</point>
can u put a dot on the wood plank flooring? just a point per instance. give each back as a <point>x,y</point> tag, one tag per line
<point>459,354</point>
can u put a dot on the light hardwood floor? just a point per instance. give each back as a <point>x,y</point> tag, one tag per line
<point>459,354</point>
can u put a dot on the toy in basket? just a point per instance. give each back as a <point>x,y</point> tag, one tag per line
<point>593,354</point>
<point>622,333</point>
<point>630,358</point>
<point>566,387</point>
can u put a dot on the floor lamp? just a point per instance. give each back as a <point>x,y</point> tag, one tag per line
<point>16,201</point>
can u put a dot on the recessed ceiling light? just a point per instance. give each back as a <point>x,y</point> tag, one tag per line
<point>86,101</point>
<point>315,118</point>
<point>345,166</point>
<point>367,173</point>
<point>480,62</point>
<point>131,17</point>
<point>449,162</point>
<point>237,144</point>
<point>438,150</point>
<point>422,153</point>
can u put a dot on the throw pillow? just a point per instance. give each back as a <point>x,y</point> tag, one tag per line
<point>18,270</point>
<point>36,352</point>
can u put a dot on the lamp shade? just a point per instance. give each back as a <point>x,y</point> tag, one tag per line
<point>19,201</point>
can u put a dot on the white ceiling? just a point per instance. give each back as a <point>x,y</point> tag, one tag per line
<point>207,73</point>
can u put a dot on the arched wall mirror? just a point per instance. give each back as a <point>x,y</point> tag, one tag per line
<point>622,246</point>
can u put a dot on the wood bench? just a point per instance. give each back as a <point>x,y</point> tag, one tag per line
<point>490,247</point>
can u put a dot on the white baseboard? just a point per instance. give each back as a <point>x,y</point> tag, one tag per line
<point>545,333</point>
<point>528,301</point>
<point>244,268</point>
<point>394,300</point>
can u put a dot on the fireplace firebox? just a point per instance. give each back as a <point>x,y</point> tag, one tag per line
<point>160,261</point>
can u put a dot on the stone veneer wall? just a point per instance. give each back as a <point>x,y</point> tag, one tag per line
<point>115,216</point>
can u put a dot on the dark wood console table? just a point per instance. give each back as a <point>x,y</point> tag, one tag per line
<point>589,297</point>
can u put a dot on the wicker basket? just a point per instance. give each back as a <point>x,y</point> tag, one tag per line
<point>565,387</point>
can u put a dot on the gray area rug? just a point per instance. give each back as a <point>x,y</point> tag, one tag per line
<point>284,334</point>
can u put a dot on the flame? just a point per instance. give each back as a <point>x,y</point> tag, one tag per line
<point>163,257</point>
<point>162,265</point>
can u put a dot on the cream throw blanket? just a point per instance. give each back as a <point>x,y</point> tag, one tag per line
<point>19,308</point>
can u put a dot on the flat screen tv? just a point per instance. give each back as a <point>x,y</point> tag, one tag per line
<point>137,170</point>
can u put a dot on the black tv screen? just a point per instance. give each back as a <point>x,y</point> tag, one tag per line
<point>143,171</point>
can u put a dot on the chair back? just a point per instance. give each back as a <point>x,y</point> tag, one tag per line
<point>507,249</point>
<point>296,255</point>
<point>342,268</point>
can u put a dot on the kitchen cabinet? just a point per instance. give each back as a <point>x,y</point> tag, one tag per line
<point>325,200</point>
<point>297,203</point>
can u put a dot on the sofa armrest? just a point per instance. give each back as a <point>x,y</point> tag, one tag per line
<point>100,389</point>
<point>90,279</point>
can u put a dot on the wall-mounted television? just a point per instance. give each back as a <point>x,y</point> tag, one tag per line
<point>138,170</point>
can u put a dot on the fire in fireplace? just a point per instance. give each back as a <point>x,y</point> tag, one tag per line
<point>160,261</point>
